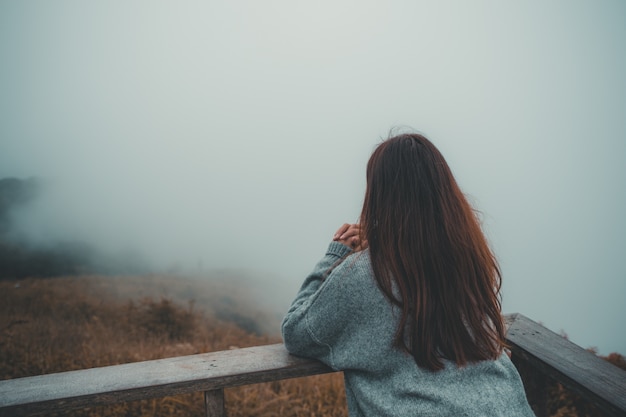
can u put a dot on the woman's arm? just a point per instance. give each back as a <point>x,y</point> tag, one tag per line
<point>297,334</point>
<point>315,313</point>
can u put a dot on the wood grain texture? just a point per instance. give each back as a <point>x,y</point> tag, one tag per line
<point>591,377</point>
<point>214,403</point>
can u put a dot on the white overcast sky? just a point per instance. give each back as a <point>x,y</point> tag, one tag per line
<point>236,133</point>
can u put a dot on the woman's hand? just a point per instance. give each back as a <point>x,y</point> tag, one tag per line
<point>350,235</point>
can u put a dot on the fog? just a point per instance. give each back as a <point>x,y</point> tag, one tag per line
<point>234,134</point>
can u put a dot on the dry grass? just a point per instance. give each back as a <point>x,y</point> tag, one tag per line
<point>73,323</point>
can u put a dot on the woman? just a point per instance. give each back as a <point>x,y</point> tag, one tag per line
<point>406,302</point>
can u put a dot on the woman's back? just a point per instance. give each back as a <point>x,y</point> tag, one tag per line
<point>349,324</point>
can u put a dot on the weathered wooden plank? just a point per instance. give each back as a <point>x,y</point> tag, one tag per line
<point>214,403</point>
<point>596,380</point>
<point>152,379</point>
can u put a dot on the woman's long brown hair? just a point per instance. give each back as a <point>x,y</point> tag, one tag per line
<point>430,256</point>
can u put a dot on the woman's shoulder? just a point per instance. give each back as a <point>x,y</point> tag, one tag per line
<point>355,266</point>
<point>353,275</point>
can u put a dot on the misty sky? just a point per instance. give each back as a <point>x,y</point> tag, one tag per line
<point>234,134</point>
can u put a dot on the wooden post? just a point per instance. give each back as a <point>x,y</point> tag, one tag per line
<point>535,385</point>
<point>214,403</point>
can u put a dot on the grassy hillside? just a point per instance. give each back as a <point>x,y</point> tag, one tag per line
<point>70,323</point>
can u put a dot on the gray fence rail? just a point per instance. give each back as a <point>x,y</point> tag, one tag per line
<point>537,352</point>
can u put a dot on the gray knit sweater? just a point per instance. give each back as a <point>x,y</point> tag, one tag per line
<point>346,322</point>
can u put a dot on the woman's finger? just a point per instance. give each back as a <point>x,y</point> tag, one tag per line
<point>349,234</point>
<point>353,230</point>
<point>341,231</point>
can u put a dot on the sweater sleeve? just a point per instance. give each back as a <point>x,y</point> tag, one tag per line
<point>298,335</point>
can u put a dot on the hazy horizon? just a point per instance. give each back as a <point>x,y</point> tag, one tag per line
<point>235,134</point>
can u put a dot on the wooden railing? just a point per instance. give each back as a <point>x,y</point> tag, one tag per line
<point>537,352</point>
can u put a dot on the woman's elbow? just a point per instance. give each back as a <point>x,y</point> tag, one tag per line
<point>294,338</point>
<point>289,338</point>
